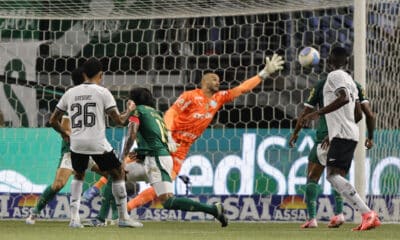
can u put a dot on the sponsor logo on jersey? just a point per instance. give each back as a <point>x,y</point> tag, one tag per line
<point>213,103</point>
<point>202,115</point>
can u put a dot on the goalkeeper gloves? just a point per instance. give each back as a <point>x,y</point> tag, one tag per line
<point>271,65</point>
<point>172,145</point>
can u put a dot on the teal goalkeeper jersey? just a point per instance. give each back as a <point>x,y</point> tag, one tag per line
<point>316,98</point>
<point>152,133</point>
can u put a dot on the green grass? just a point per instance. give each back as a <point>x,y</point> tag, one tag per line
<point>46,230</point>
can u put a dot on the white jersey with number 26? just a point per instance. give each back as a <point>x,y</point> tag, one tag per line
<point>86,105</point>
<point>341,123</point>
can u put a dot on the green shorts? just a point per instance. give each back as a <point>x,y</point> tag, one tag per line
<point>313,157</point>
<point>318,155</point>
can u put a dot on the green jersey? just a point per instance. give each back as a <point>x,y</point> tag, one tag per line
<point>152,133</point>
<point>316,98</point>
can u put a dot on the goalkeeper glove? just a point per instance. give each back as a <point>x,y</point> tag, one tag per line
<point>172,145</point>
<point>271,66</point>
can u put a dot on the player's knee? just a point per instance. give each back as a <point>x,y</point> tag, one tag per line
<point>79,176</point>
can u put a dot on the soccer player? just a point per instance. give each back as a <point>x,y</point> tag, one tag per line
<point>194,110</point>
<point>191,114</point>
<point>155,163</point>
<point>316,165</point>
<point>87,105</point>
<point>340,95</point>
<point>64,170</point>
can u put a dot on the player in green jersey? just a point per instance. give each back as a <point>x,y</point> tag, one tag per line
<point>154,164</point>
<point>316,162</point>
<point>64,170</point>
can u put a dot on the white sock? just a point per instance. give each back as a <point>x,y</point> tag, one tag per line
<point>349,192</point>
<point>119,192</point>
<point>76,191</point>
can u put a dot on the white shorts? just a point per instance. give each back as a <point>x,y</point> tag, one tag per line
<point>67,164</point>
<point>322,154</point>
<point>158,171</point>
<point>136,172</point>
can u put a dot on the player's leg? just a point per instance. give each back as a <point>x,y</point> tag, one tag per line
<point>340,156</point>
<point>110,163</point>
<point>149,194</point>
<point>79,164</point>
<point>158,171</point>
<point>314,172</point>
<point>338,219</point>
<point>136,172</point>
<point>62,175</point>
<point>107,197</point>
<point>94,190</point>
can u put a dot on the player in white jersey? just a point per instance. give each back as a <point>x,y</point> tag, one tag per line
<point>87,105</point>
<point>341,107</point>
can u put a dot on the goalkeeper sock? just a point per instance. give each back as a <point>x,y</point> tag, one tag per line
<point>47,195</point>
<point>338,202</point>
<point>144,197</point>
<point>76,191</point>
<point>189,205</point>
<point>107,197</point>
<point>119,192</point>
<point>102,181</point>
<point>349,192</point>
<point>311,198</point>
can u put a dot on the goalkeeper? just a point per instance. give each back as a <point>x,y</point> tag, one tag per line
<point>316,163</point>
<point>191,114</point>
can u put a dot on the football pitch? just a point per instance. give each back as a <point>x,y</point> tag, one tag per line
<point>46,230</point>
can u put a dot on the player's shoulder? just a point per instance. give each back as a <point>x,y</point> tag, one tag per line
<point>145,109</point>
<point>190,94</point>
<point>338,74</point>
<point>222,92</point>
<point>100,88</point>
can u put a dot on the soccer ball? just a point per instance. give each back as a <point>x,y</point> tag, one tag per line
<point>308,57</point>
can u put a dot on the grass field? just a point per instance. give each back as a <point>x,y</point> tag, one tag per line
<point>45,230</point>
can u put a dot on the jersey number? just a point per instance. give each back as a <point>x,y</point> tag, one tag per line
<point>163,130</point>
<point>89,118</point>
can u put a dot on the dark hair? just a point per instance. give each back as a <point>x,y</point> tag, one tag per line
<point>92,67</point>
<point>77,76</point>
<point>142,96</point>
<point>339,52</point>
<point>338,57</point>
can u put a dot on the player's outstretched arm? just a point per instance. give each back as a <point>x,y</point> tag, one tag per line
<point>371,121</point>
<point>271,65</point>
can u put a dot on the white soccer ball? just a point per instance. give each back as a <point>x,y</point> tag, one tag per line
<point>308,57</point>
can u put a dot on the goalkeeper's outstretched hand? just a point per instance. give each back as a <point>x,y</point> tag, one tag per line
<point>172,145</point>
<point>271,65</point>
